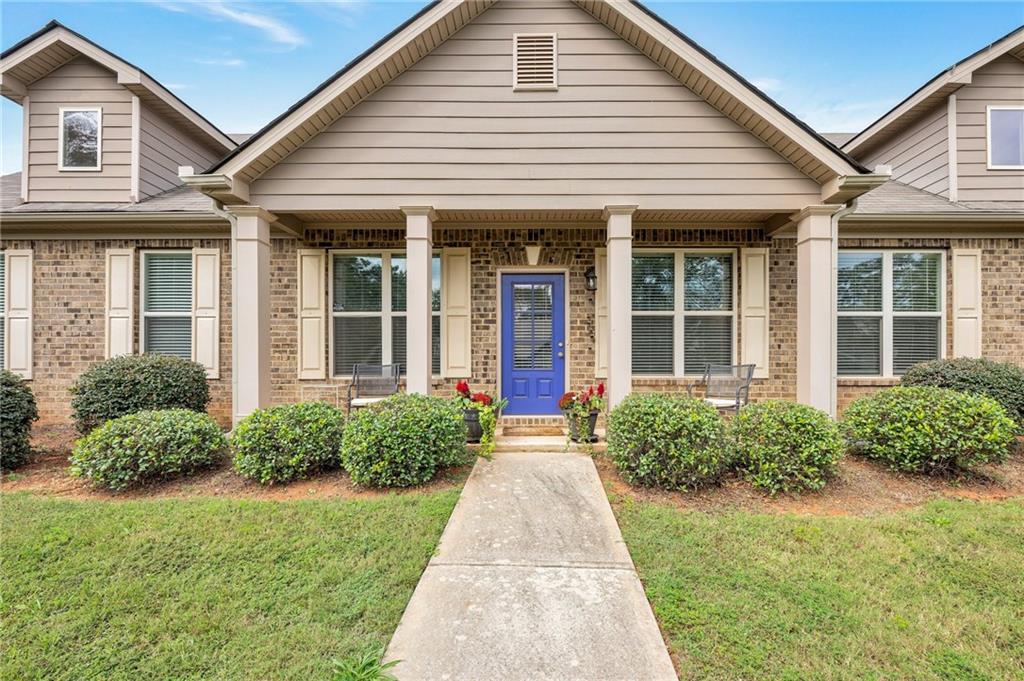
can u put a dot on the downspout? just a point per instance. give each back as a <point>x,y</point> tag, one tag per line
<point>217,208</point>
<point>834,345</point>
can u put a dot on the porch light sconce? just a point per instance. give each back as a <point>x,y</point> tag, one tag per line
<point>590,277</point>
<point>532,255</point>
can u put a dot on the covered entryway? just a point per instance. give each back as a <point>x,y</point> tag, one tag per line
<point>532,342</point>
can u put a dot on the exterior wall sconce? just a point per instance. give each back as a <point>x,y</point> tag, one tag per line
<point>590,277</point>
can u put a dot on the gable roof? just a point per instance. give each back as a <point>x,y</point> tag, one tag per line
<point>54,45</point>
<point>693,66</point>
<point>934,92</point>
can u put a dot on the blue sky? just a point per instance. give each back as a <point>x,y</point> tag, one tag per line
<point>837,65</point>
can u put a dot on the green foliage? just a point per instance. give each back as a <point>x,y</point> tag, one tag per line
<point>928,430</point>
<point>669,441</point>
<point>403,440</point>
<point>784,446</point>
<point>17,412</point>
<point>367,666</point>
<point>147,446</point>
<point>134,383</point>
<point>288,442</point>
<point>1002,381</point>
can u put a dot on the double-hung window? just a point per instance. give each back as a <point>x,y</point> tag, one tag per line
<point>3,308</point>
<point>1005,137</point>
<point>890,311</point>
<point>80,140</point>
<point>368,310</point>
<point>167,303</point>
<point>683,311</point>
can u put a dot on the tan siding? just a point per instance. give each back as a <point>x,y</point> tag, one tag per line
<point>919,155</point>
<point>164,147</point>
<point>1000,82</point>
<point>79,83</point>
<point>451,132</point>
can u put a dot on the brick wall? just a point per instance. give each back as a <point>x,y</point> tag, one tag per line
<point>69,284</point>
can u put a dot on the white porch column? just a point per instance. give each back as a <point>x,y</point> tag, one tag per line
<point>816,244</point>
<point>419,221</point>
<point>620,301</point>
<point>250,309</point>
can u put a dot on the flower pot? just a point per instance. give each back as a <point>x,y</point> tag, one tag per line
<point>574,426</point>
<point>473,429</point>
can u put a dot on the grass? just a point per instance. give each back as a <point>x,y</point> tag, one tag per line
<point>206,589</point>
<point>933,593</point>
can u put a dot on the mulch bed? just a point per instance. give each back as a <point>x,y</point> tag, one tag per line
<point>860,487</point>
<point>47,473</point>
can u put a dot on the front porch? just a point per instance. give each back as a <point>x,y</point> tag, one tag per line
<point>429,290</point>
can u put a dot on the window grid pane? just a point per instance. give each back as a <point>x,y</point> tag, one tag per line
<point>168,282</point>
<point>707,282</point>
<point>859,346</point>
<point>706,340</point>
<point>357,340</point>
<point>914,340</point>
<point>399,275</point>
<point>859,286</point>
<point>654,282</point>
<point>653,345</point>
<point>357,283</point>
<point>915,282</point>
<point>435,285</point>
<point>435,345</point>
<point>398,341</point>
<point>169,336</point>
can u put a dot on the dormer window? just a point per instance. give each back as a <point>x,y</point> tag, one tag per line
<point>1006,137</point>
<point>80,138</point>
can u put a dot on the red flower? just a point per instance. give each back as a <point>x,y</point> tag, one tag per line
<point>600,389</point>
<point>566,400</point>
<point>462,388</point>
<point>481,398</point>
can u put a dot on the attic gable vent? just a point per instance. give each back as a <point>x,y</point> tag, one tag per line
<point>535,61</point>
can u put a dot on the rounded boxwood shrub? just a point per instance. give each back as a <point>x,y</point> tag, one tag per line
<point>669,441</point>
<point>1002,381</point>
<point>134,383</point>
<point>288,442</point>
<point>929,430</point>
<point>784,446</point>
<point>148,445</point>
<point>403,440</point>
<point>17,412</point>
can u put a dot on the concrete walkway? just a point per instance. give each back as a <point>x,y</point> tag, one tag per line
<point>531,581</point>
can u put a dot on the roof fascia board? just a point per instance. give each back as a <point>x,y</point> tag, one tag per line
<point>734,86</point>
<point>931,218</point>
<point>12,88</point>
<point>263,141</point>
<point>957,75</point>
<point>847,187</point>
<point>59,217</point>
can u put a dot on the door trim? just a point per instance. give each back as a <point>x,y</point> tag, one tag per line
<point>526,269</point>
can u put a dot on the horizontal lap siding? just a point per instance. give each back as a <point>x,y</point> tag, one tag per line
<point>998,83</point>
<point>919,155</point>
<point>79,83</point>
<point>163,147</point>
<point>451,132</point>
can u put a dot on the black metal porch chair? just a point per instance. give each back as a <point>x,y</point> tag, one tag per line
<point>372,383</point>
<point>726,386</point>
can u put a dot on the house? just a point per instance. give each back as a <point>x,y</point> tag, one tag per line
<point>530,195</point>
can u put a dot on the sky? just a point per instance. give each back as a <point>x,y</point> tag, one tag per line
<point>836,65</point>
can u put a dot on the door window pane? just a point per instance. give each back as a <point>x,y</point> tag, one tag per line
<point>532,326</point>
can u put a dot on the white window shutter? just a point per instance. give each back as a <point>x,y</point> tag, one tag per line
<point>206,309</point>
<point>754,309</point>
<point>966,302</point>
<point>312,269</point>
<point>601,314</point>
<point>456,313</point>
<point>120,329</point>
<point>18,271</point>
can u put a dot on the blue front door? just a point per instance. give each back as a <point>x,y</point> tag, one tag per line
<point>532,342</point>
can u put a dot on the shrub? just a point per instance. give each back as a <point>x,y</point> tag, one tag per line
<point>1001,381</point>
<point>669,441</point>
<point>17,412</point>
<point>785,446</point>
<point>288,442</point>
<point>927,429</point>
<point>134,383</point>
<point>403,440</point>
<point>146,446</point>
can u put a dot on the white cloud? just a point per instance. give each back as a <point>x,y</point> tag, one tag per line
<point>273,29</point>
<point>767,85</point>
<point>227,61</point>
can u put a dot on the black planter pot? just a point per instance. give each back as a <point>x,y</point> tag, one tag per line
<point>473,429</point>
<point>574,425</point>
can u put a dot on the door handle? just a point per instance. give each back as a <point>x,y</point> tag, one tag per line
<point>561,344</point>
<point>561,354</point>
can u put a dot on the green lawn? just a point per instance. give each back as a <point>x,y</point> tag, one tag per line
<point>206,589</point>
<point>934,593</point>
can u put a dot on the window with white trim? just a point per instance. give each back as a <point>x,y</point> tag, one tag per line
<point>3,308</point>
<point>684,311</point>
<point>890,311</point>
<point>1006,137</point>
<point>80,138</point>
<point>166,327</point>
<point>368,314</point>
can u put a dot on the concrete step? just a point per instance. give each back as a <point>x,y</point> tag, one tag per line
<point>543,443</point>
